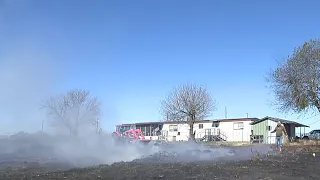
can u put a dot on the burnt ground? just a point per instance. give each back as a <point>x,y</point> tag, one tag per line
<point>296,162</point>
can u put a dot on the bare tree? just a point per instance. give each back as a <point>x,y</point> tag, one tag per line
<point>74,108</point>
<point>296,81</point>
<point>188,103</point>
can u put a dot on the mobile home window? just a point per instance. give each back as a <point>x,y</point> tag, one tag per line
<point>238,125</point>
<point>173,128</point>
<point>200,126</point>
<point>215,124</point>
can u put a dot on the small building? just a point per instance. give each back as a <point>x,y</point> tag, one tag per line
<point>261,129</point>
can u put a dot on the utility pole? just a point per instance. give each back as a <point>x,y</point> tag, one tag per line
<point>97,124</point>
<point>42,126</point>
<point>225,112</point>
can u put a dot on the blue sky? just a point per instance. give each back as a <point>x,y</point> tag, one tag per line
<point>132,53</point>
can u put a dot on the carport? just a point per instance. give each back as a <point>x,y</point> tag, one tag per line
<point>291,128</point>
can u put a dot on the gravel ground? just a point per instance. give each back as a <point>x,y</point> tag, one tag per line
<point>247,162</point>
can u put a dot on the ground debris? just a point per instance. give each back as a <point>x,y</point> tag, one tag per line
<point>291,164</point>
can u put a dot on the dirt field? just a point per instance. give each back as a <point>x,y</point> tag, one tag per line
<point>250,162</point>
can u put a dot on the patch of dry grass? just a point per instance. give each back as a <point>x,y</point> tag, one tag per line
<point>304,142</point>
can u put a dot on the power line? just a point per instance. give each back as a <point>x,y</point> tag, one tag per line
<point>310,117</point>
<point>314,122</point>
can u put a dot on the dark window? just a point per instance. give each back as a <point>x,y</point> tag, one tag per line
<point>268,128</point>
<point>215,124</point>
<point>200,126</point>
<point>173,128</point>
<point>178,133</point>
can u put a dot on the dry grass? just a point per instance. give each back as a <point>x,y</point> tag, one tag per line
<point>225,143</point>
<point>304,142</point>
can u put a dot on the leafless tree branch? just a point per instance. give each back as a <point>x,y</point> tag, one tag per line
<point>73,109</point>
<point>188,103</point>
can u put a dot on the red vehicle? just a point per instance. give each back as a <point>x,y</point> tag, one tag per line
<point>126,133</point>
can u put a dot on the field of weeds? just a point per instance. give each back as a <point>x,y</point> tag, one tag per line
<point>238,162</point>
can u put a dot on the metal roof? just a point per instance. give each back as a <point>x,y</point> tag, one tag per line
<point>283,121</point>
<point>199,121</point>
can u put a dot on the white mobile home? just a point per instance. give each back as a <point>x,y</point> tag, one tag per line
<point>204,130</point>
<point>222,129</point>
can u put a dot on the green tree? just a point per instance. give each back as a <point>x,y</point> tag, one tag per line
<point>296,81</point>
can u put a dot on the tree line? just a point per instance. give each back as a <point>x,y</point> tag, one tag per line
<point>295,83</point>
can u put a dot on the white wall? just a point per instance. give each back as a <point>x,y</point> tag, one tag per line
<point>225,127</point>
<point>183,129</point>
<point>235,134</point>
<point>271,137</point>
